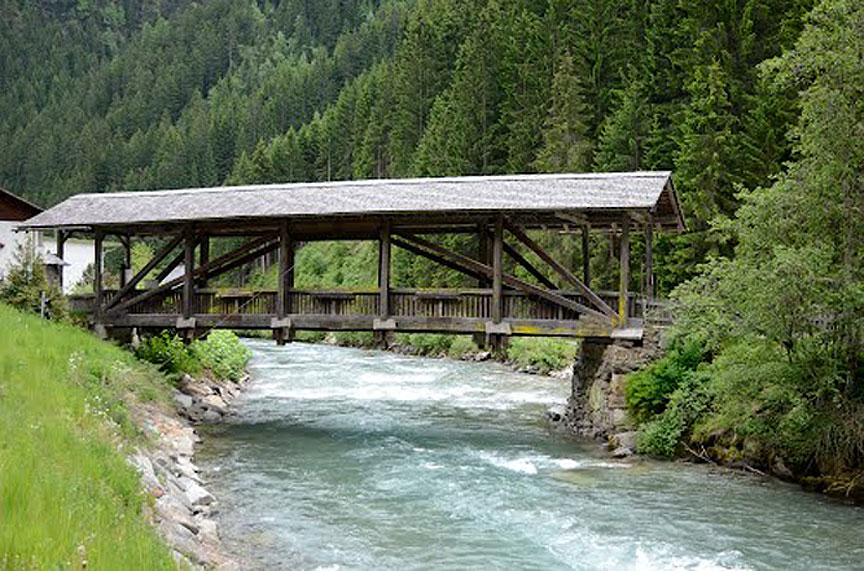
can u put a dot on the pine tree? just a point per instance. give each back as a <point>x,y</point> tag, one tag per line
<point>566,146</point>
<point>462,135</point>
<point>625,131</point>
<point>525,84</point>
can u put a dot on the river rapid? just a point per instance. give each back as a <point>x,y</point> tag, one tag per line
<point>350,459</point>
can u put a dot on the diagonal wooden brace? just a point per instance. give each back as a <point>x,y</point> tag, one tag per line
<point>224,263</point>
<point>561,270</point>
<point>158,257</point>
<point>512,281</point>
<point>434,257</point>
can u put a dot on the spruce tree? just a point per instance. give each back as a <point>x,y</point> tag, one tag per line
<point>566,145</point>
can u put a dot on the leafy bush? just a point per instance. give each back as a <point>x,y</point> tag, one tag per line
<point>354,338</point>
<point>648,391</point>
<point>545,353</point>
<point>689,403</point>
<point>462,345</point>
<point>427,343</point>
<point>310,336</point>
<point>222,354</point>
<point>170,353</point>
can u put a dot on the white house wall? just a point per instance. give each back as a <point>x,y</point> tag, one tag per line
<point>78,253</point>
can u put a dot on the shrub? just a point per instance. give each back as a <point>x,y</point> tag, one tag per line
<point>688,405</point>
<point>462,345</point>
<point>354,338</point>
<point>648,391</point>
<point>428,343</point>
<point>222,354</point>
<point>170,353</point>
<point>310,336</point>
<point>545,353</point>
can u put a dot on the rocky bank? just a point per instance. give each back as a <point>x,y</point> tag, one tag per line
<point>183,510</point>
<point>597,406</point>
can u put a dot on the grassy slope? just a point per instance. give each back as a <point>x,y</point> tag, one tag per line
<point>66,492</point>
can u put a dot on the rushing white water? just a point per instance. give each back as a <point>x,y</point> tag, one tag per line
<point>350,459</point>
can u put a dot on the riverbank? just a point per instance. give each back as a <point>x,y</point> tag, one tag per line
<point>68,496</point>
<point>184,510</point>
<point>534,356</point>
<point>97,453</point>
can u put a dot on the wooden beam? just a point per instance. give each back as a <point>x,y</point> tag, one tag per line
<point>203,257</point>
<point>239,256</point>
<point>158,257</point>
<point>437,259</point>
<point>62,236</point>
<point>498,270</point>
<point>483,251</point>
<point>98,240</point>
<point>285,278</point>
<point>188,274</point>
<point>127,258</point>
<point>384,271</point>
<point>520,259</point>
<point>649,259</point>
<point>586,255</point>
<point>166,271</point>
<point>561,270</point>
<point>506,279</point>
<point>624,257</point>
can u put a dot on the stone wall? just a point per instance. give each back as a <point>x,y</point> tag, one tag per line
<point>597,407</point>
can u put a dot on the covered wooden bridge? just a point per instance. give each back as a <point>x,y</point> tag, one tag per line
<point>405,213</point>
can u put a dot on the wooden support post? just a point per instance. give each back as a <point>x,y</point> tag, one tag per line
<point>498,271</point>
<point>203,258</point>
<point>384,271</point>
<point>98,240</point>
<point>624,276</point>
<point>649,258</point>
<point>62,236</point>
<point>286,267</point>
<point>126,271</point>
<point>383,324</point>
<point>284,284</point>
<point>189,275</point>
<point>586,255</point>
<point>497,341</point>
<point>483,251</point>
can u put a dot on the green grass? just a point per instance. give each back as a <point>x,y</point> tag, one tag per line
<point>546,354</point>
<point>67,494</point>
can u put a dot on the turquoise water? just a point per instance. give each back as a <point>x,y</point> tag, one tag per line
<point>350,459</point>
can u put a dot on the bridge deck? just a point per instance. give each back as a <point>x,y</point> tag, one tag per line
<point>411,310</point>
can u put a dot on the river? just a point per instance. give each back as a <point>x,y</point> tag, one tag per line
<point>350,459</point>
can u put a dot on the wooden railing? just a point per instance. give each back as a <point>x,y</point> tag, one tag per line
<point>461,303</point>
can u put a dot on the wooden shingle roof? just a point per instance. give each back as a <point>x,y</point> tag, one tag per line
<point>514,194</point>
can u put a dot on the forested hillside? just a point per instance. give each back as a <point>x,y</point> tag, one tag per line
<point>101,95</point>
